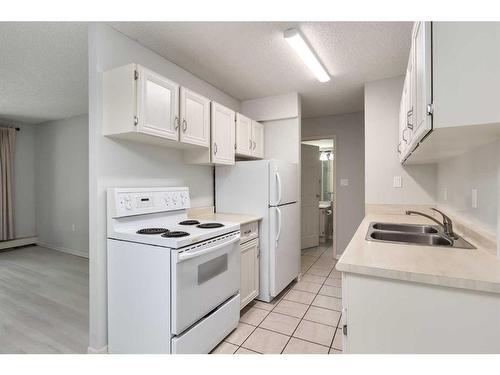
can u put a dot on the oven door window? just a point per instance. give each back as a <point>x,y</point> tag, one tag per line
<point>212,268</point>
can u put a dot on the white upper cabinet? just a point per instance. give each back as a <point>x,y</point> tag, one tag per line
<point>455,89</point>
<point>244,144</point>
<point>257,140</point>
<point>157,105</point>
<point>223,134</point>
<point>415,118</point>
<point>140,104</point>
<point>249,137</point>
<point>421,109</point>
<point>194,118</point>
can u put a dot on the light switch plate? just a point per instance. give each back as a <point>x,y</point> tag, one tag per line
<point>474,198</point>
<point>397,182</point>
<point>344,182</point>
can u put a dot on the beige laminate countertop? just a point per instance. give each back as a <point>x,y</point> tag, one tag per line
<point>233,218</point>
<point>467,269</point>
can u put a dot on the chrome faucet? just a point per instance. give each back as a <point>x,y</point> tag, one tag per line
<point>447,224</point>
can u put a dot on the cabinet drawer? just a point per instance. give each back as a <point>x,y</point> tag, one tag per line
<point>249,231</point>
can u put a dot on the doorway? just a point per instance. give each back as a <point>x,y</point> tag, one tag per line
<point>318,193</point>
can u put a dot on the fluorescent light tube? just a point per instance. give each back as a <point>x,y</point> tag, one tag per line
<point>298,43</point>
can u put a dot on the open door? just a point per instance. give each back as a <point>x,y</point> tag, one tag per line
<point>311,180</point>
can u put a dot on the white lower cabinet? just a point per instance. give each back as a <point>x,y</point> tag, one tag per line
<point>386,316</point>
<point>250,257</point>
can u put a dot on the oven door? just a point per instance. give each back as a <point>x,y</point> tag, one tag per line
<point>203,277</point>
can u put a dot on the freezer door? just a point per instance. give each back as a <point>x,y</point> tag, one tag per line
<point>284,222</point>
<point>283,183</point>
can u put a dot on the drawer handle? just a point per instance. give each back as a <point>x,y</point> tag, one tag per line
<point>247,231</point>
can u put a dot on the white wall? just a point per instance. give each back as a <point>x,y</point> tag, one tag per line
<point>61,150</point>
<point>348,130</point>
<point>476,169</point>
<point>122,163</point>
<point>24,182</point>
<point>382,99</point>
<point>281,116</point>
<point>281,138</point>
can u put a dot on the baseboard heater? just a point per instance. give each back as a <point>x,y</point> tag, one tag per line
<point>18,242</point>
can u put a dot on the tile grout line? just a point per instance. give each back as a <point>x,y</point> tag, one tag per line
<point>301,319</point>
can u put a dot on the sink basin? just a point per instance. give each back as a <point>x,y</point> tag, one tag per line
<point>414,234</point>
<point>413,238</point>
<point>407,228</point>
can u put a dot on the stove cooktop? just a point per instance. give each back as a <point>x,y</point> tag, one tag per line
<point>152,231</point>
<point>210,225</point>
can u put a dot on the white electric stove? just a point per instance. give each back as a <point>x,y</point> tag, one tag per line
<point>173,283</point>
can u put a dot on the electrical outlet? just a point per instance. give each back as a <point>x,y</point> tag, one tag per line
<point>474,198</point>
<point>397,182</point>
<point>445,194</point>
<point>344,182</point>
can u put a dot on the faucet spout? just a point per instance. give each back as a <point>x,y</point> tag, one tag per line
<point>447,224</point>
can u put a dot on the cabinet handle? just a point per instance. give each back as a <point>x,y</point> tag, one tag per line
<point>215,148</point>
<point>176,123</point>
<point>250,141</point>
<point>254,145</point>
<point>399,147</point>
<point>404,139</point>
<point>409,125</point>
<point>247,231</point>
<point>184,125</point>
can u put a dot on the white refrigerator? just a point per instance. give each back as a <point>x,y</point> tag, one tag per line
<point>269,189</point>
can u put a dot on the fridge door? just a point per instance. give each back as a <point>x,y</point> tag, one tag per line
<point>284,237</point>
<point>283,183</point>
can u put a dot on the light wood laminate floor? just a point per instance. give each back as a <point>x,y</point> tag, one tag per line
<point>43,301</point>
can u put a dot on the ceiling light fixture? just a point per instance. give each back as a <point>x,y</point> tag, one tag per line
<point>299,44</point>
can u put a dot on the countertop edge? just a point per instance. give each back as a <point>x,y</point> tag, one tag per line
<point>355,248</point>
<point>443,281</point>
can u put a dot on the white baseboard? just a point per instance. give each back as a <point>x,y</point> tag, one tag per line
<point>103,350</point>
<point>18,242</point>
<point>78,253</point>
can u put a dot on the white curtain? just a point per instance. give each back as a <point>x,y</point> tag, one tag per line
<point>7,139</point>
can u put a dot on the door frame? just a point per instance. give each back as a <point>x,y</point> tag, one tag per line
<point>334,184</point>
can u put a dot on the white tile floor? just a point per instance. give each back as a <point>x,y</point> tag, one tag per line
<point>304,319</point>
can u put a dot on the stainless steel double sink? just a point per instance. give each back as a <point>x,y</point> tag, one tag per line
<point>414,234</point>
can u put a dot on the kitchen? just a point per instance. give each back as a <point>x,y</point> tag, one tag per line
<point>185,177</point>
<point>242,188</point>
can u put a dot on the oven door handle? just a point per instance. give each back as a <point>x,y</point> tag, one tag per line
<point>188,255</point>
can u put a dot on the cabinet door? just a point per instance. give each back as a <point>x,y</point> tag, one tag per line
<point>249,277</point>
<point>244,144</point>
<point>421,81</point>
<point>157,105</point>
<point>257,139</point>
<point>194,118</point>
<point>223,138</point>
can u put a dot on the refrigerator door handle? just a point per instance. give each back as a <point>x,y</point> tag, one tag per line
<point>279,225</point>
<point>278,180</point>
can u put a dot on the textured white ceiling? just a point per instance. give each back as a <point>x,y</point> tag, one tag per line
<point>251,59</point>
<point>43,71</point>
